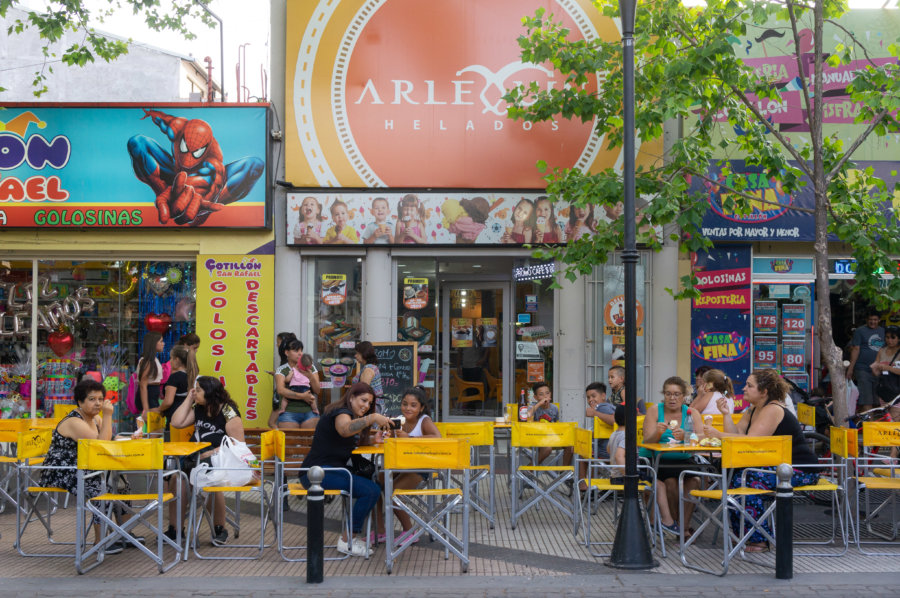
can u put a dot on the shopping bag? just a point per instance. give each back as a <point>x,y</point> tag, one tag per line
<point>233,459</point>
<point>852,397</point>
<point>204,476</point>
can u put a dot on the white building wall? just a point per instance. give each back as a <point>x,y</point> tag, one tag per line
<point>145,74</point>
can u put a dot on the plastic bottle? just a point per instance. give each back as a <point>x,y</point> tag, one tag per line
<point>523,406</point>
<point>689,436</point>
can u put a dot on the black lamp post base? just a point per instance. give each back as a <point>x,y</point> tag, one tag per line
<point>631,549</point>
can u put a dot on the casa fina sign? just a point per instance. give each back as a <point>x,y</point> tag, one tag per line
<point>405,93</point>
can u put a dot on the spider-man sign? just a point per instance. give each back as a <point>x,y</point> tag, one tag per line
<point>191,181</point>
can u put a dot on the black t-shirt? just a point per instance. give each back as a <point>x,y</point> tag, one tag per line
<point>212,429</point>
<point>329,448</point>
<point>180,381</point>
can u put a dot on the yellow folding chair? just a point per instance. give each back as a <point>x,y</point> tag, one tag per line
<point>180,434</point>
<point>156,425</point>
<point>877,487</point>
<point>535,435</point>
<point>143,510</point>
<point>32,446</point>
<point>204,495</point>
<point>284,488</point>
<point>831,490</point>
<point>9,435</point>
<point>737,453</point>
<point>428,508</point>
<point>60,410</point>
<point>479,435</point>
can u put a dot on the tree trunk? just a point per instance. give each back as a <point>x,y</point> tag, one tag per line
<point>831,354</point>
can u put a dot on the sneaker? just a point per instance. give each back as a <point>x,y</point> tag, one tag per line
<point>357,548</point>
<point>220,534</point>
<point>172,534</point>
<point>672,529</point>
<point>138,539</point>
<point>114,548</point>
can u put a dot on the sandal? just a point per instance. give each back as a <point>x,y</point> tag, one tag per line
<point>756,547</point>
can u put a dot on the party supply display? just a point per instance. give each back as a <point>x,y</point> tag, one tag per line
<point>53,310</point>
<point>157,322</point>
<point>61,342</point>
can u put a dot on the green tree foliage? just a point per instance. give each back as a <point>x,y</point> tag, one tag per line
<point>57,18</point>
<point>689,71</point>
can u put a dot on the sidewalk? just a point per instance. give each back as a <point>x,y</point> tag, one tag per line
<point>540,557</point>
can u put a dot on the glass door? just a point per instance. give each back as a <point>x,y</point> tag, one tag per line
<point>475,349</point>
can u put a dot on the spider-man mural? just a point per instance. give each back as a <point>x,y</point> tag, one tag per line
<point>192,181</point>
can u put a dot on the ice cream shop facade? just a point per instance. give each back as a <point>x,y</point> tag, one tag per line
<point>119,222</point>
<point>411,197</point>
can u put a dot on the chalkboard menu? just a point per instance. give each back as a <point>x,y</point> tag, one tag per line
<point>399,367</point>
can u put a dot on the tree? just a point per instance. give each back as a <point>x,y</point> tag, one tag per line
<point>75,16</point>
<point>689,70</point>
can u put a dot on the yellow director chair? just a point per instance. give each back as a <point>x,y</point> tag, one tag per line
<point>429,508</point>
<point>9,435</point>
<point>284,488</point>
<point>204,494</point>
<point>143,457</point>
<point>532,436</point>
<point>32,447</point>
<point>479,435</point>
<point>878,487</point>
<point>737,453</point>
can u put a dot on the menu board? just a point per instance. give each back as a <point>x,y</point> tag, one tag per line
<point>793,355</point>
<point>793,319</point>
<point>765,317</point>
<point>399,366</point>
<point>765,352</point>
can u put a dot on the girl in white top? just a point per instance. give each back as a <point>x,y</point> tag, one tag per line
<point>415,409</point>
<point>715,385</point>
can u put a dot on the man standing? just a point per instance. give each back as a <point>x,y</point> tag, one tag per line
<point>616,380</point>
<point>864,346</point>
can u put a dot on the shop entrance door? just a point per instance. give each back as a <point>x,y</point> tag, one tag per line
<point>475,349</point>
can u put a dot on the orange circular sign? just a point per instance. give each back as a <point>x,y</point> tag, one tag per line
<point>418,96</point>
<point>614,313</point>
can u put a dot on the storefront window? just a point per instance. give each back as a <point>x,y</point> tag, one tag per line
<point>91,320</point>
<point>335,304</point>
<point>534,325</point>
<point>417,304</point>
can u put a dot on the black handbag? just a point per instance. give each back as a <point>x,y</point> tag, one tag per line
<point>362,467</point>
<point>888,385</point>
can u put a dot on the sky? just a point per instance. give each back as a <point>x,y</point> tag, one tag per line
<point>244,22</point>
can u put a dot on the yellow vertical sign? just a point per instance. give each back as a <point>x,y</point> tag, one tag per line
<point>235,307</point>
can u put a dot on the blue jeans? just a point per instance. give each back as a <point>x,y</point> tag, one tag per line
<point>297,418</point>
<point>365,491</point>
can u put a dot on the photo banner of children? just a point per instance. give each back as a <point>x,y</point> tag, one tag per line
<point>383,217</point>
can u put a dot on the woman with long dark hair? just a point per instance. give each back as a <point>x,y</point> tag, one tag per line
<point>214,415</point>
<point>149,372</point>
<point>767,415</point>
<point>344,425</point>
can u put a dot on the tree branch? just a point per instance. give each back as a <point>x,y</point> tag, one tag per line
<point>855,145</point>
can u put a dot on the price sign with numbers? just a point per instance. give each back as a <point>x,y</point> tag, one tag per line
<point>793,355</point>
<point>793,319</point>
<point>765,317</point>
<point>765,352</point>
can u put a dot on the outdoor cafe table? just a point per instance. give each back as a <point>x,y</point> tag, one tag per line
<point>659,449</point>
<point>183,449</point>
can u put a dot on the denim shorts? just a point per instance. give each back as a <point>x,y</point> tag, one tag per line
<point>297,418</point>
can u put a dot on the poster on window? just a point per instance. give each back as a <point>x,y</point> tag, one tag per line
<point>801,379</point>
<point>415,293</point>
<point>793,355</point>
<point>486,332</point>
<point>535,372</point>
<point>765,352</point>
<point>461,333</point>
<point>334,289</point>
<point>765,317</point>
<point>793,319</point>
<point>721,316</point>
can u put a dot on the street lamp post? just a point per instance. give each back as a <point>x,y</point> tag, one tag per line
<point>631,548</point>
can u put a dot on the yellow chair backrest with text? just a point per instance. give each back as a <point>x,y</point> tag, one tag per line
<point>60,410</point>
<point>479,436</point>
<point>880,477</point>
